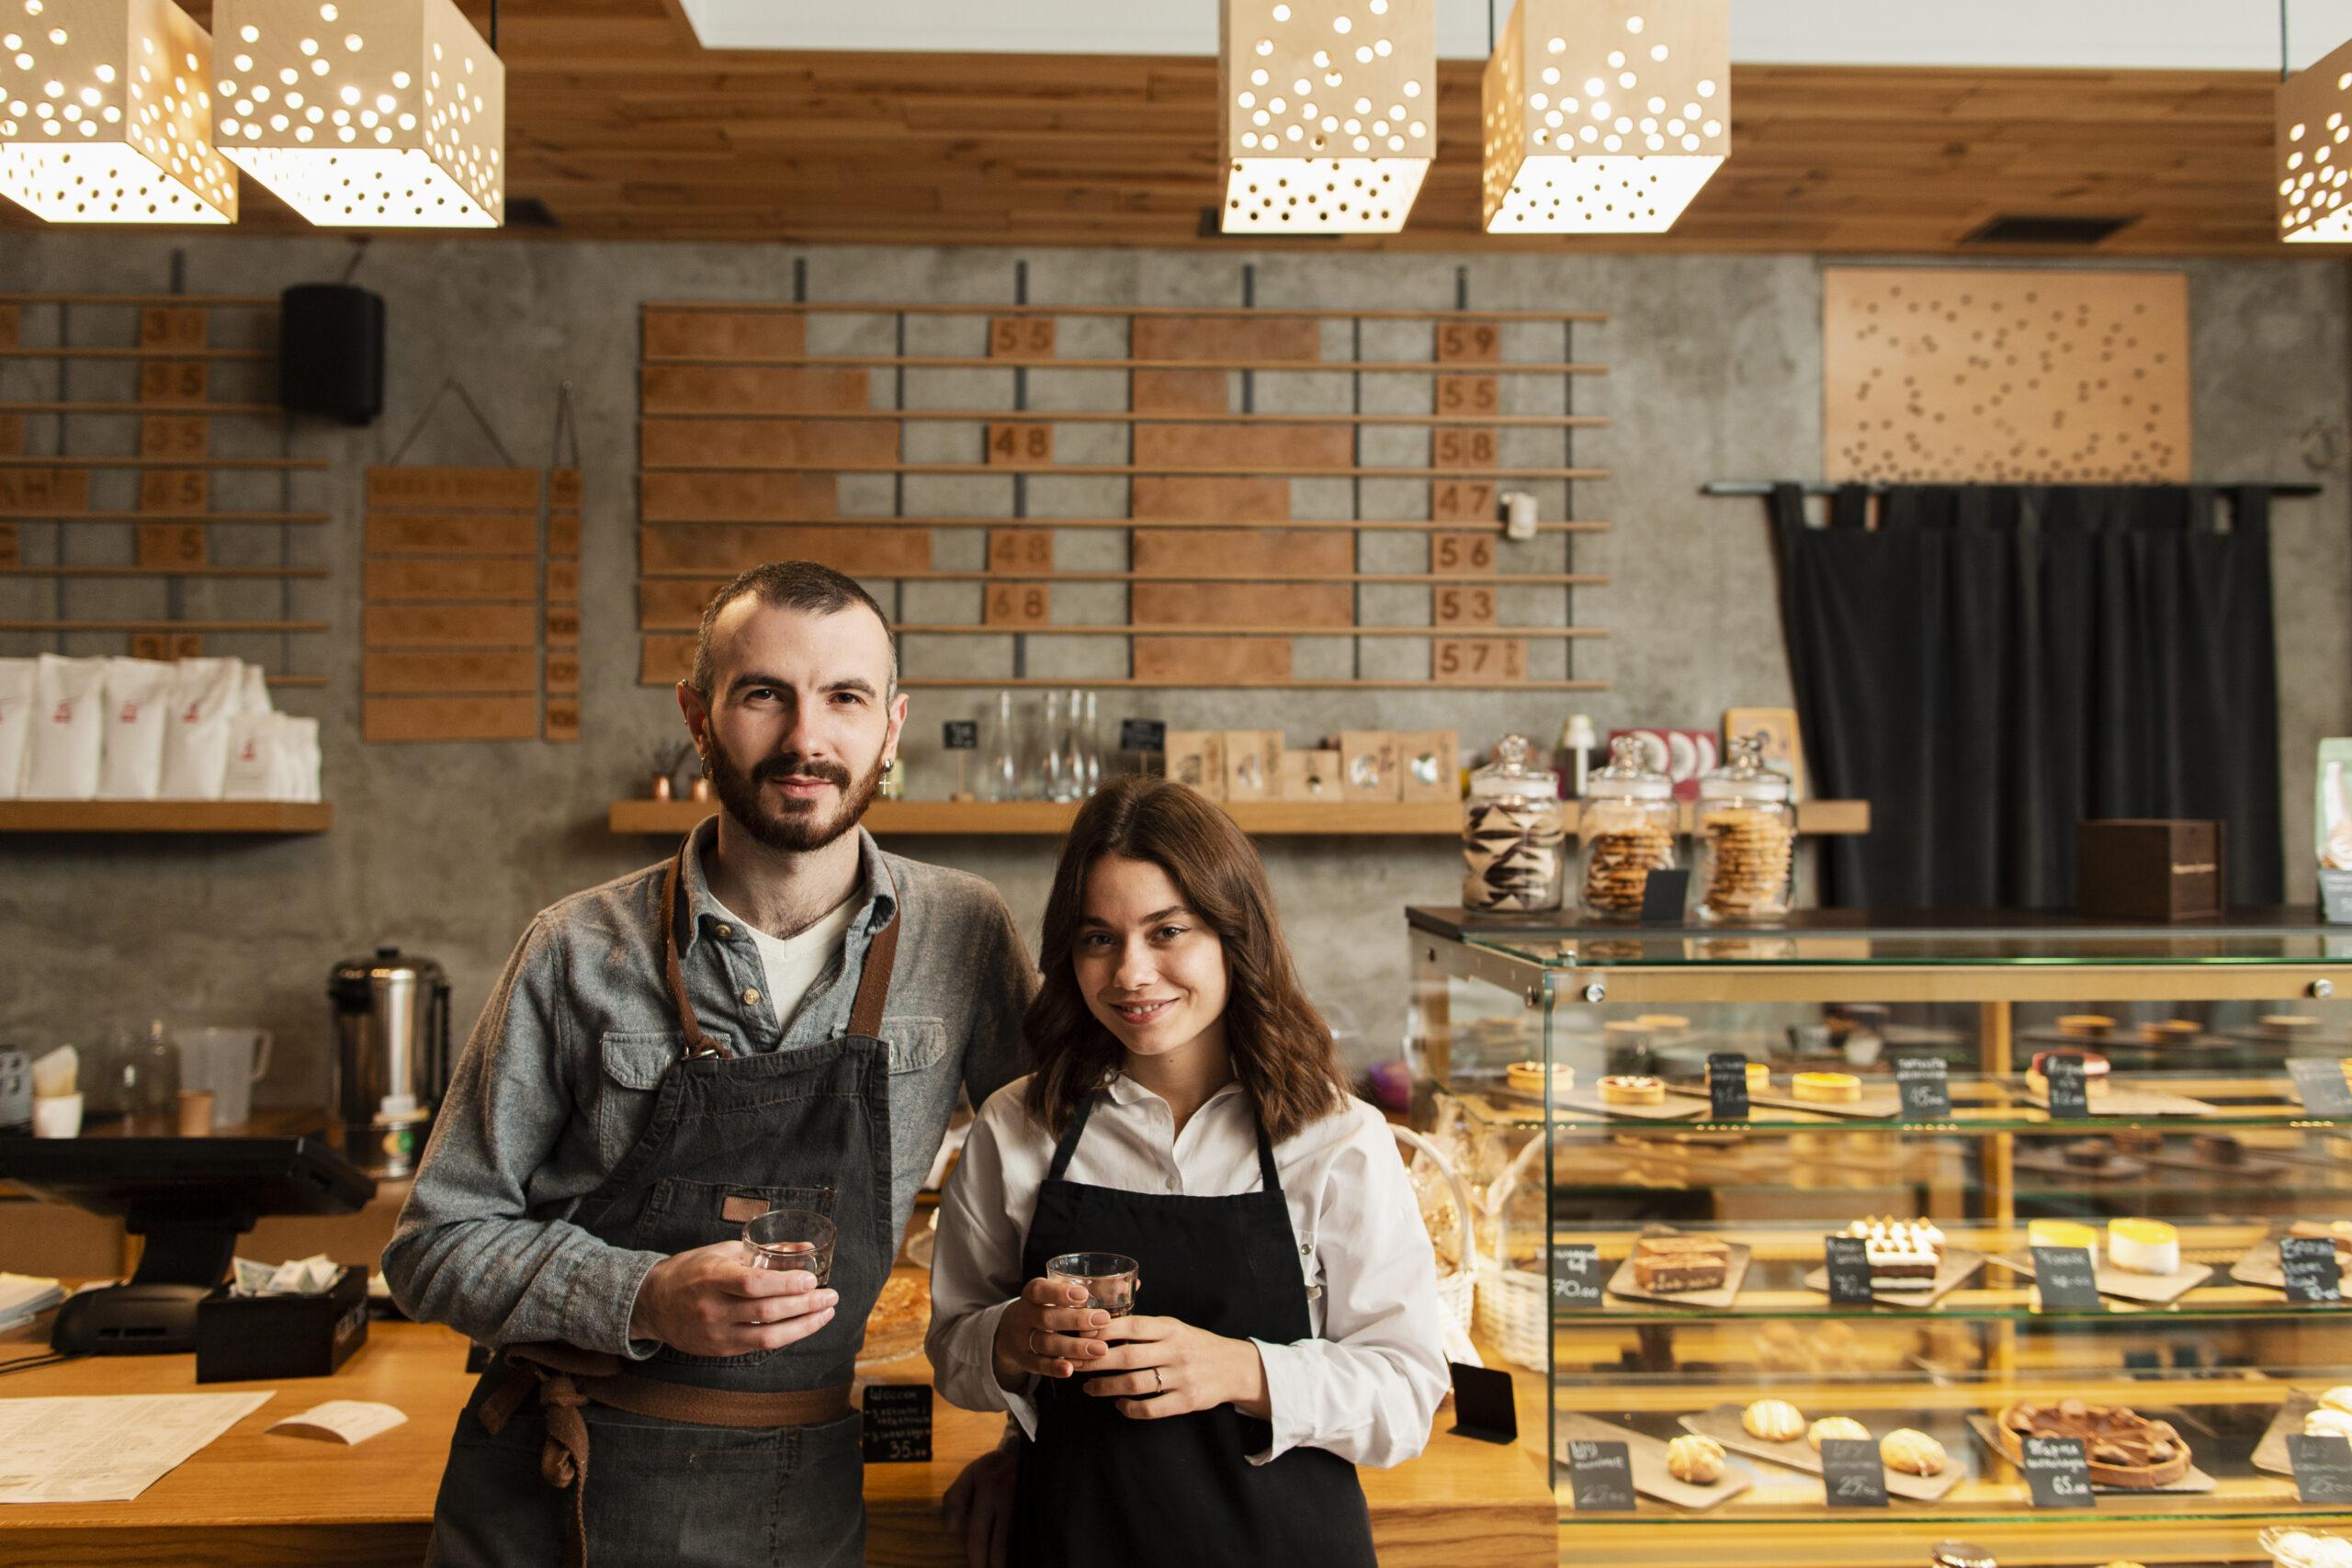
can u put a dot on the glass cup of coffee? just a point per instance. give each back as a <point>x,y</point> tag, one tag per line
<point>792,1238</point>
<point>1111,1281</point>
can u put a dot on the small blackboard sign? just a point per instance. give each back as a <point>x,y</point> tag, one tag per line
<point>2323,1468</point>
<point>897,1423</point>
<point>2058,1473</point>
<point>1852,1475</point>
<point>2066,1277</point>
<point>1727,1085</point>
<point>1925,1083</point>
<point>1600,1476</point>
<point>960,735</point>
<point>1665,895</point>
<point>2070,1096</point>
<point>2320,1085</point>
<point>1576,1275</point>
<point>1142,735</point>
<point>1849,1269</point>
<point>1483,1405</point>
<point>2308,1264</point>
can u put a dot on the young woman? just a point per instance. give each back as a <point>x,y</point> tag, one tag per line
<point>1188,1111</point>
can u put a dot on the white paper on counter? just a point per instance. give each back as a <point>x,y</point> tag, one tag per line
<point>342,1420</point>
<point>109,1449</point>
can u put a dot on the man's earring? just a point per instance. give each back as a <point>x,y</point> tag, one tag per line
<point>890,764</point>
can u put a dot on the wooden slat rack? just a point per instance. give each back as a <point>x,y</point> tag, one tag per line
<point>165,816</point>
<point>1033,818</point>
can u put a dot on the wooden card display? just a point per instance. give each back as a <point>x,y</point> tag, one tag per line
<point>2024,376</point>
<point>1369,769</point>
<point>1429,765</point>
<point>1196,757</point>
<point>1253,764</point>
<point>1311,776</point>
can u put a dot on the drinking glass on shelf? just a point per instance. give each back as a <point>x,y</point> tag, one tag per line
<point>1054,776</point>
<point>1112,1282</point>
<point>792,1238</point>
<point>1085,755</point>
<point>1003,780</point>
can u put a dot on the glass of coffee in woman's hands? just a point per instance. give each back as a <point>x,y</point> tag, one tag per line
<point>1111,1281</point>
<point>792,1238</point>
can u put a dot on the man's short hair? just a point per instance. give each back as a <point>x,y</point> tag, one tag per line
<point>787,585</point>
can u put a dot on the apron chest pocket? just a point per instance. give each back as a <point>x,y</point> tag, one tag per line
<point>633,1063</point>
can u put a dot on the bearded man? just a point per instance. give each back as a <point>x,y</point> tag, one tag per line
<point>778,1018</point>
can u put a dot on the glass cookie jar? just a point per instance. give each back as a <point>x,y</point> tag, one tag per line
<point>1746,839</point>
<point>1628,827</point>
<point>1513,833</point>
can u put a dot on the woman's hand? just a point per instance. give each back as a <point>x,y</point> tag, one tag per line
<point>1047,1332</point>
<point>1161,1366</point>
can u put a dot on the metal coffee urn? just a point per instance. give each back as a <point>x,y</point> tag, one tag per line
<point>391,1022</point>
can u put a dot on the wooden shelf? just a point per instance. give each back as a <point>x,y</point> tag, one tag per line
<point>1033,818</point>
<point>166,816</point>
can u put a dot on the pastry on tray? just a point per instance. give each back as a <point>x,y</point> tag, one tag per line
<point>2326,1422</point>
<point>2143,1247</point>
<point>1527,1077</point>
<point>1827,1089</point>
<point>1911,1451</point>
<point>2301,1548</point>
<point>1669,1264</point>
<point>1694,1458</point>
<point>2125,1448</point>
<point>1904,1253</point>
<point>2337,1398</point>
<point>1633,1089</point>
<point>2085,1025</point>
<point>2095,1072</point>
<point>1836,1426</point>
<point>1773,1421</point>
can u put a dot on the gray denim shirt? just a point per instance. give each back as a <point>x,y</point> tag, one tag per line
<point>559,1079</point>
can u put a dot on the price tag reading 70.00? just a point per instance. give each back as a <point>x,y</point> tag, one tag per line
<point>1575,1276</point>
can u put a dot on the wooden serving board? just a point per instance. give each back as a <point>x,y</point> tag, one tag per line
<point>1954,1268</point>
<point>1648,1456</point>
<point>1722,1423</point>
<point>2259,1265</point>
<point>2121,1100</point>
<point>2158,1290</point>
<point>2270,1454</point>
<point>1589,1101</point>
<point>1875,1105</point>
<point>2194,1481</point>
<point>2119,1167</point>
<point>1719,1299</point>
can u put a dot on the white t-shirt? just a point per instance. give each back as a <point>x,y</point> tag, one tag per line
<point>795,963</point>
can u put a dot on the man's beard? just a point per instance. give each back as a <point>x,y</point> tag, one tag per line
<point>792,826</point>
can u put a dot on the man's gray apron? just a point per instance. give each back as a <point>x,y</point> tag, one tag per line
<point>719,1461</point>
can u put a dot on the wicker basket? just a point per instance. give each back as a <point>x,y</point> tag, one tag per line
<point>1514,1312</point>
<point>1455,1289</point>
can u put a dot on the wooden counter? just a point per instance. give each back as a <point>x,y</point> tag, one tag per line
<point>251,1498</point>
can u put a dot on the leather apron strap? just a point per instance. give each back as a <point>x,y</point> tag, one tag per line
<point>873,982</point>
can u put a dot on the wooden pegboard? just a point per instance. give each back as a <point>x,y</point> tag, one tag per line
<point>1975,376</point>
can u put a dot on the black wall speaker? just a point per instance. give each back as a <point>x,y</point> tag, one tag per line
<point>331,352</point>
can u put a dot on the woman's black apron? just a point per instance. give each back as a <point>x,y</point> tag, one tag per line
<point>1100,1487</point>
<point>764,1465</point>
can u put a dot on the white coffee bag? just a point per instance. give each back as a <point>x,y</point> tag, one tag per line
<point>255,752</point>
<point>300,741</point>
<point>253,689</point>
<point>138,712</point>
<point>16,721</point>
<point>68,728</point>
<point>196,741</point>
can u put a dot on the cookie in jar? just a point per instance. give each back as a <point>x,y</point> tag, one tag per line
<point>1627,824</point>
<point>1746,839</point>
<point>1513,833</point>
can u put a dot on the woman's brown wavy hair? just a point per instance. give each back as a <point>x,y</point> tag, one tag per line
<point>1280,1047</point>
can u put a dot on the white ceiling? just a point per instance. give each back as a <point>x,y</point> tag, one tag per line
<point>2114,34</point>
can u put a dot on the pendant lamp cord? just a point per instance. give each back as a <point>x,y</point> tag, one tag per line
<point>2283,66</point>
<point>1490,27</point>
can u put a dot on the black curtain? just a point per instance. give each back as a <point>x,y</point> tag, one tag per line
<point>1991,665</point>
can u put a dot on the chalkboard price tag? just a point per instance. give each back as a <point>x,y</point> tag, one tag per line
<point>1142,735</point>
<point>897,1423</point>
<point>2058,1473</point>
<point>1665,897</point>
<point>1575,1276</point>
<point>960,735</point>
<point>2070,1096</point>
<point>2308,1264</point>
<point>2320,1085</point>
<point>1600,1476</point>
<point>2066,1277</point>
<point>1484,1406</point>
<point>1849,1269</point>
<point>1925,1083</point>
<point>1727,1085</point>
<point>1852,1475</point>
<point>2323,1468</point>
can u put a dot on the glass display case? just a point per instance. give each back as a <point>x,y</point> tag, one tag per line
<point>1956,1105</point>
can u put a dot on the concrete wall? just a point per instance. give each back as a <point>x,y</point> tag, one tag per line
<point>448,849</point>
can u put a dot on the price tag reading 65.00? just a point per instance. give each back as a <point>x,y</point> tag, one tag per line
<point>2058,1473</point>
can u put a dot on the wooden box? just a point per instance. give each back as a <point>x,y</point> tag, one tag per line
<point>1429,764</point>
<point>2149,869</point>
<point>1312,775</point>
<point>1253,763</point>
<point>1369,769</point>
<point>1196,757</point>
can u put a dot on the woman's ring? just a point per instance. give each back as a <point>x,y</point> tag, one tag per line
<point>1158,1384</point>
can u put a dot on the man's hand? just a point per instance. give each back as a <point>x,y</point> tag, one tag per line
<point>979,1506</point>
<point>1047,1332</point>
<point>711,1302</point>
<point>1162,1366</point>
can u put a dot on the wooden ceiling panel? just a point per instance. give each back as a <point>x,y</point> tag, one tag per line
<point>624,126</point>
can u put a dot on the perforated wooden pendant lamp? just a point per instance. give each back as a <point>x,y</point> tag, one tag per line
<point>2314,152</point>
<point>365,113</point>
<point>107,114</point>
<point>1328,121</point>
<point>1604,116</point>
